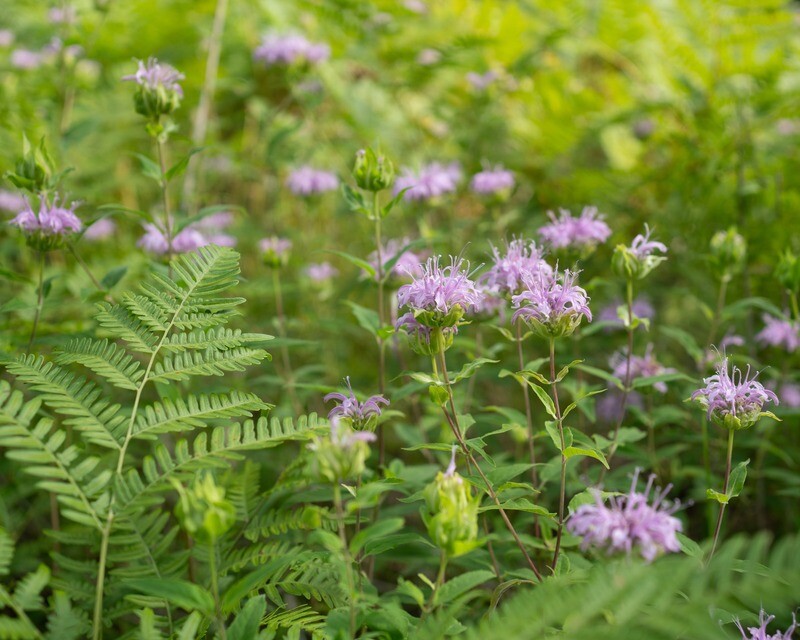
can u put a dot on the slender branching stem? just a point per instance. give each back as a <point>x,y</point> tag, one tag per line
<point>722,505</point>
<point>528,411</point>
<point>97,620</point>
<point>39,301</point>
<point>563,483</point>
<point>346,557</point>
<point>212,567</point>
<point>715,321</point>
<point>376,214</point>
<point>438,584</point>
<point>456,427</point>
<point>164,183</point>
<point>82,263</point>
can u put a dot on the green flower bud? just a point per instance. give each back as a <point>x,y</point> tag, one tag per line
<point>340,455</point>
<point>451,513</point>
<point>34,170</point>
<point>788,271</point>
<point>203,511</point>
<point>373,172</point>
<point>728,251</point>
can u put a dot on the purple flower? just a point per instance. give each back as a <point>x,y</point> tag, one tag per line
<point>521,259</point>
<point>780,333</point>
<point>187,239</point>
<point>58,15</point>
<point>641,367</point>
<point>408,263</point>
<point>432,181</point>
<point>582,232</point>
<point>428,57</point>
<point>760,632</point>
<point>359,413</point>
<point>552,304</point>
<point>441,295</point>
<point>11,201</point>
<point>307,181</point>
<point>154,75</point>
<point>100,230</point>
<point>26,59</point>
<point>610,407</point>
<point>275,245</point>
<point>491,181</point>
<point>216,221</point>
<point>642,247</point>
<point>321,272</point>
<point>790,394</point>
<point>629,521</point>
<point>6,37</point>
<point>55,220</point>
<point>276,49</point>
<point>416,6</point>
<point>733,400</point>
<point>482,81</point>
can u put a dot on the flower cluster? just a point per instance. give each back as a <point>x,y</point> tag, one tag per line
<point>584,232</point>
<point>407,263</point>
<point>360,414</point>
<point>209,230</point>
<point>100,230</point>
<point>497,181</point>
<point>629,521</point>
<point>441,295</point>
<point>760,632</point>
<point>308,181</point>
<point>733,400</point>
<point>552,304</point>
<point>780,333</point>
<point>159,91</point>
<point>638,260</point>
<point>521,259</point>
<point>47,228</point>
<point>640,367</point>
<point>321,272</point>
<point>277,49</point>
<point>432,181</point>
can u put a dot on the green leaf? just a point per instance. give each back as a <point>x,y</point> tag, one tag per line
<point>181,593</point>
<point>571,452</point>
<point>469,369</point>
<point>736,481</point>
<point>662,377</point>
<point>149,168</point>
<point>689,546</point>
<point>603,375</point>
<point>460,585</point>
<point>374,532</point>
<point>113,277</point>
<point>355,200</point>
<point>565,370</point>
<point>179,167</point>
<point>544,398</point>
<point>248,621</point>
<point>722,498</point>
<point>367,318</point>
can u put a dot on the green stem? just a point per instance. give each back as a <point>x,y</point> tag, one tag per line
<point>212,567</point>
<point>723,289</point>
<point>162,163</point>
<point>438,584</point>
<point>528,411</point>
<point>82,263</point>
<point>724,490</point>
<point>795,308</point>
<point>376,214</point>
<point>97,620</point>
<point>281,316</point>
<point>560,422</point>
<point>348,560</point>
<point>707,470</point>
<point>456,427</point>
<point>39,302</point>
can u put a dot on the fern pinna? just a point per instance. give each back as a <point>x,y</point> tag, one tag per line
<point>85,440</point>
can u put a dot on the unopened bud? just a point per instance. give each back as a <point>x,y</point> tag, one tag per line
<point>373,172</point>
<point>203,511</point>
<point>728,249</point>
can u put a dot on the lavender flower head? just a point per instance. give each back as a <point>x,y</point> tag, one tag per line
<point>521,259</point>
<point>790,395</point>
<point>760,632</point>
<point>11,201</point>
<point>584,232</point>
<point>275,250</point>
<point>638,260</point>
<point>276,49</point>
<point>552,304</point>
<point>423,339</point>
<point>408,263</point>
<point>733,400</point>
<point>641,367</point>
<point>307,181</point>
<point>48,228</point>
<point>433,181</point>
<point>360,414</point>
<point>497,181</point>
<point>187,239</point>
<point>482,81</point>
<point>155,75</point>
<point>321,272</point>
<point>441,295</point>
<point>26,59</point>
<point>6,37</point>
<point>629,522</point>
<point>100,230</point>
<point>780,333</point>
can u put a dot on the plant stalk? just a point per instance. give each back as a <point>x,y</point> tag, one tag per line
<point>724,490</point>
<point>563,482</point>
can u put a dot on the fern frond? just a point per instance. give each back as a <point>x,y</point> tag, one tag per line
<point>150,315</point>
<point>277,521</point>
<point>65,622</point>
<point>210,362</point>
<point>73,477</point>
<point>105,358</point>
<point>315,579</point>
<point>254,555</point>
<point>6,551</point>
<point>301,618</point>
<point>217,338</point>
<point>243,490</point>
<point>179,414</point>
<point>207,450</point>
<point>203,273</point>
<point>120,324</point>
<point>84,404</point>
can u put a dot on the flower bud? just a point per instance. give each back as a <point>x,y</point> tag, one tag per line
<point>203,511</point>
<point>275,251</point>
<point>158,92</point>
<point>451,513</point>
<point>342,454</point>
<point>728,250</point>
<point>34,169</point>
<point>638,260</point>
<point>373,172</point>
<point>788,271</point>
